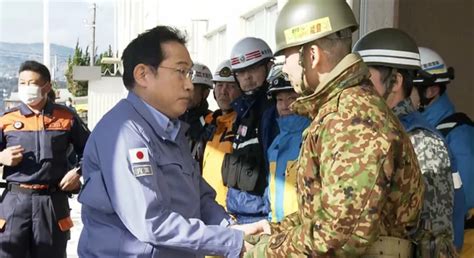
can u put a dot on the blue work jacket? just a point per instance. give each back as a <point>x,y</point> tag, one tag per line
<point>143,194</point>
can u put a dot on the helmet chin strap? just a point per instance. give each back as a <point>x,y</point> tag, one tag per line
<point>424,101</point>
<point>389,83</point>
<point>303,88</point>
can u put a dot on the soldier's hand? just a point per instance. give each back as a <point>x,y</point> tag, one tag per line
<point>71,181</point>
<point>259,227</point>
<point>12,155</point>
<point>264,225</point>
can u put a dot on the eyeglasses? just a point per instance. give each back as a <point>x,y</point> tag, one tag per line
<point>185,74</point>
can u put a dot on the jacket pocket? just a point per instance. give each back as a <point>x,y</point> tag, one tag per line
<point>244,169</point>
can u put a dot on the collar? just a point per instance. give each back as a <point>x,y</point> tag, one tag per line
<point>292,123</point>
<point>224,118</point>
<point>350,71</point>
<point>47,110</point>
<point>439,109</point>
<point>403,108</point>
<point>160,123</point>
<point>195,114</point>
<point>243,103</point>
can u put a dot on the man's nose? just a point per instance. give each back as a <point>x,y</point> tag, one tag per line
<point>188,84</point>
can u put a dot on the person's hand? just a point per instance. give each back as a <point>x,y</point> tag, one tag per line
<point>12,155</point>
<point>259,227</point>
<point>71,181</point>
<point>264,225</point>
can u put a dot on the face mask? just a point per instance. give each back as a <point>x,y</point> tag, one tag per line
<point>30,94</point>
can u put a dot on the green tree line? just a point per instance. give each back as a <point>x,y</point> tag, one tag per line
<point>82,58</point>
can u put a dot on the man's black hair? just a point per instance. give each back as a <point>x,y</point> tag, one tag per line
<point>386,76</point>
<point>146,49</point>
<point>36,67</point>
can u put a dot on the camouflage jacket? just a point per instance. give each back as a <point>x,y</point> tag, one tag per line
<point>358,177</point>
<point>435,165</point>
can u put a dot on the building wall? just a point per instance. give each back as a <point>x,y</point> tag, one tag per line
<point>103,94</point>
<point>448,28</point>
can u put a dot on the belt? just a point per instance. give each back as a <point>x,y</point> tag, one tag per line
<point>31,188</point>
<point>389,247</point>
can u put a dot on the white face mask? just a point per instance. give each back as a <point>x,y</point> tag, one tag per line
<point>30,94</point>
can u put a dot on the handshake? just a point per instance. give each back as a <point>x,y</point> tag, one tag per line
<point>256,228</point>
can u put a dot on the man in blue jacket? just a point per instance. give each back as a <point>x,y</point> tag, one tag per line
<point>143,194</point>
<point>245,169</point>
<point>457,128</point>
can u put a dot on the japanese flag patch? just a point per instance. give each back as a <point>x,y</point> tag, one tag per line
<point>140,162</point>
<point>138,155</point>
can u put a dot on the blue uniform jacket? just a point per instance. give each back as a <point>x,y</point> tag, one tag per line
<point>461,145</point>
<point>283,152</point>
<point>143,194</point>
<point>245,206</point>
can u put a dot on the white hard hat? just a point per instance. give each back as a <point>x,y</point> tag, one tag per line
<point>249,51</point>
<point>223,73</point>
<point>434,65</point>
<point>203,75</point>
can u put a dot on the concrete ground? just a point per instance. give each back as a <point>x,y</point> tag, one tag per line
<point>76,230</point>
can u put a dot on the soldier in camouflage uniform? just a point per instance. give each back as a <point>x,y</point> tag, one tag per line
<point>393,59</point>
<point>358,178</point>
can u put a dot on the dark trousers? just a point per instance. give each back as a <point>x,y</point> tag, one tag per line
<point>31,228</point>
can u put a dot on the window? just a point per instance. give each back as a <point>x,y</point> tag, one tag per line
<point>261,21</point>
<point>216,47</point>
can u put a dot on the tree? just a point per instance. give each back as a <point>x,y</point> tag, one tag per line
<point>82,58</point>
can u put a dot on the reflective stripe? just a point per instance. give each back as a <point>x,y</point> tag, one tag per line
<point>446,125</point>
<point>390,53</point>
<point>391,60</point>
<point>246,143</point>
<point>457,180</point>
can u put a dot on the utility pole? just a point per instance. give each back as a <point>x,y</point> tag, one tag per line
<point>94,7</point>
<point>46,50</point>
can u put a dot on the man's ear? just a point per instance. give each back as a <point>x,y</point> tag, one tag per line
<point>315,55</point>
<point>397,82</point>
<point>140,75</point>
<point>432,91</point>
<point>48,87</point>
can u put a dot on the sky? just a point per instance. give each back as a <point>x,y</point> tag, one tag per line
<point>21,21</point>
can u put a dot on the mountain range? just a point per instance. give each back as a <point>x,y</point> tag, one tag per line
<point>13,54</point>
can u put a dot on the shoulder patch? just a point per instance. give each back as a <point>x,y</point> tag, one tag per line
<point>138,155</point>
<point>142,170</point>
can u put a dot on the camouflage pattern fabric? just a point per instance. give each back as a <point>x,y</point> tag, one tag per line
<point>358,177</point>
<point>435,236</point>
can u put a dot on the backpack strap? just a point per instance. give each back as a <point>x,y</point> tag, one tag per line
<point>453,121</point>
